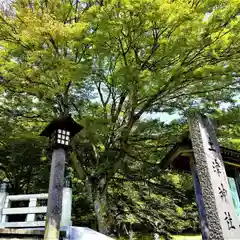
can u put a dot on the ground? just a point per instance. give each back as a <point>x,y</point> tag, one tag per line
<point>187,237</point>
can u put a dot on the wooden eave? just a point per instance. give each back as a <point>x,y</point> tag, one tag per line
<point>182,151</point>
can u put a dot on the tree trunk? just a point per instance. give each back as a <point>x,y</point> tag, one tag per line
<point>118,231</point>
<point>100,211</point>
<point>130,232</point>
<point>155,236</point>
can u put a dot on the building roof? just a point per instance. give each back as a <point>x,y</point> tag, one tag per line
<point>178,156</point>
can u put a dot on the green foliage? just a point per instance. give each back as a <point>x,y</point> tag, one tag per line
<point>229,127</point>
<point>21,162</point>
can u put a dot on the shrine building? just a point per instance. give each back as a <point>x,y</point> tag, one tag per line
<point>181,158</point>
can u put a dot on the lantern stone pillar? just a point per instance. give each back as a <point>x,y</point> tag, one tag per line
<point>60,131</point>
<point>220,216</point>
<point>55,192</point>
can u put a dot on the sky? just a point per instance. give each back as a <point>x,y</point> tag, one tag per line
<point>164,117</point>
<point>167,118</point>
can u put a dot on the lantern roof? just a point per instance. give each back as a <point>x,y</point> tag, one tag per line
<point>64,123</point>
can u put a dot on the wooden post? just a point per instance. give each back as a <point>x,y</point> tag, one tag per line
<point>222,221</point>
<point>66,207</point>
<point>3,195</point>
<point>32,203</point>
<point>54,208</point>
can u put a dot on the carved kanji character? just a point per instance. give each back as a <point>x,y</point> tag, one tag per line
<point>211,145</point>
<point>228,219</point>
<point>223,192</point>
<point>216,167</point>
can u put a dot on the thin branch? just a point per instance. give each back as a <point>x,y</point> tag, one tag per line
<point>124,53</point>
<point>205,91</point>
<point>53,43</point>
<point>119,107</point>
